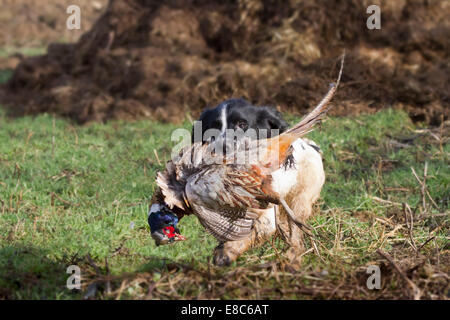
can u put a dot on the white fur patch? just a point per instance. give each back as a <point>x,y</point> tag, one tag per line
<point>270,216</point>
<point>285,178</point>
<point>223,118</point>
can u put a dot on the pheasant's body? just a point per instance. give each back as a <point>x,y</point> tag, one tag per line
<point>226,197</point>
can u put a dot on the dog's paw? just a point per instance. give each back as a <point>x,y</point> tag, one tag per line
<point>220,258</point>
<point>294,256</point>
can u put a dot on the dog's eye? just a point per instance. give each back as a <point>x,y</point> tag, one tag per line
<point>242,124</point>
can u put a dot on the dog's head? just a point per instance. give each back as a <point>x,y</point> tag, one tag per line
<point>239,114</point>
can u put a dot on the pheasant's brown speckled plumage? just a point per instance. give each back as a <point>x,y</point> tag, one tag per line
<point>219,194</point>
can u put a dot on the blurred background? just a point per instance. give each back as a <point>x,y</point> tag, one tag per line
<point>163,60</point>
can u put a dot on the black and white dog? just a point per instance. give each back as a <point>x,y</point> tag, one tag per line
<point>239,114</point>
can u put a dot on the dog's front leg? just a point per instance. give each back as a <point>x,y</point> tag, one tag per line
<point>227,252</point>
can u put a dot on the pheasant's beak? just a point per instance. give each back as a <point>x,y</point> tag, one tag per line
<point>178,237</point>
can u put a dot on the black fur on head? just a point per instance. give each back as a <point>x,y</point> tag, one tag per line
<point>238,113</point>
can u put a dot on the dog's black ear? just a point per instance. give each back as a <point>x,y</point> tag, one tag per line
<point>273,119</point>
<point>208,120</point>
<point>203,116</point>
<point>277,122</point>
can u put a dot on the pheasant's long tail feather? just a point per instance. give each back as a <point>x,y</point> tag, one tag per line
<point>307,123</point>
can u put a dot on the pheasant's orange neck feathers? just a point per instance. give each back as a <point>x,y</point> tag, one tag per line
<point>277,148</point>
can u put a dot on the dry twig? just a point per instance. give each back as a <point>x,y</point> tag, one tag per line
<point>415,291</point>
<point>410,225</point>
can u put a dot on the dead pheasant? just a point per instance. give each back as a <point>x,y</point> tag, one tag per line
<point>226,195</point>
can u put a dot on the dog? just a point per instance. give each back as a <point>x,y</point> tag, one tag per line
<point>239,114</point>
<point>304,166</point>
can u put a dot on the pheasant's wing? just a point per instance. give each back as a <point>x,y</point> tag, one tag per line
<point>224,196</point>
<point>226,225</point>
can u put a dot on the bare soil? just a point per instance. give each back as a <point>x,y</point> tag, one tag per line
<point>147,59</point>
<point>34,23</point>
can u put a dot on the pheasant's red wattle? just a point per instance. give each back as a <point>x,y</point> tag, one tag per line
<point>169,231</point>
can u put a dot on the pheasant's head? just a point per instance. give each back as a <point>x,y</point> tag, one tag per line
<point>163,225</point>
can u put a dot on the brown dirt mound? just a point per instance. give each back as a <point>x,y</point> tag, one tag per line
<point>36,23</point>
<point>146,59</point>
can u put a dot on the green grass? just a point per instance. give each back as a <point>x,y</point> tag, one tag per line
<point>82,194</point>
<point>69,191</point>
<point>5,75</point>
<point>26,51</point>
